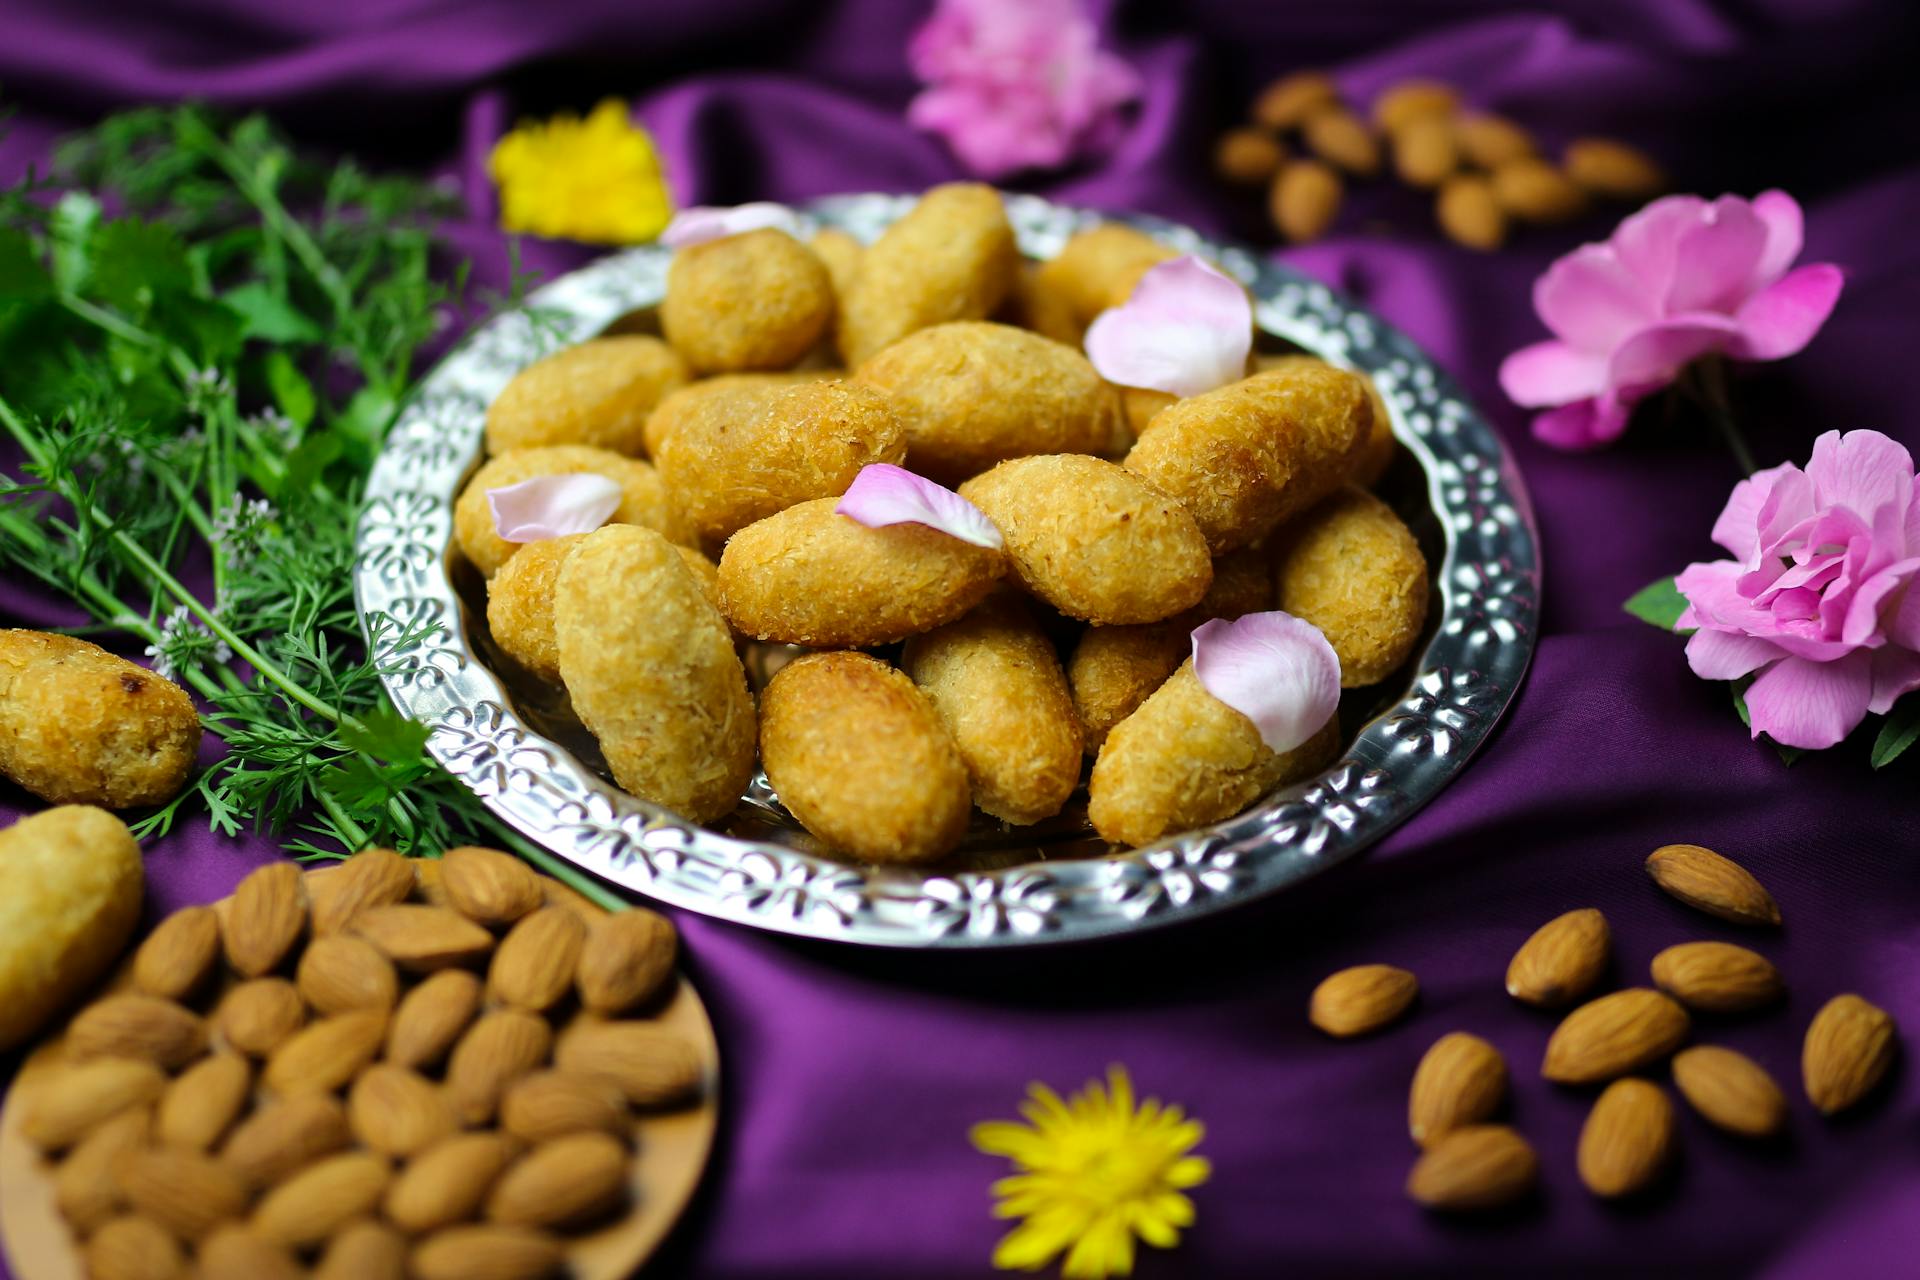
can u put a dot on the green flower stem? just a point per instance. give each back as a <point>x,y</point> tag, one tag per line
<point>1706,383</point>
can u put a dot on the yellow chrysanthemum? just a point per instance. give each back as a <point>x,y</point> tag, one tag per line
<point>1096,1172</point>
<point>596,179</point>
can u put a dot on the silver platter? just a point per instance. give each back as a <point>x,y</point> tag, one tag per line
<point>1458,490</point>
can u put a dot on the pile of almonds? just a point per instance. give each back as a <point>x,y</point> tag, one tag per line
<point>391,1074</point>
<point>1628,1140</point>
<point>1485,170</point>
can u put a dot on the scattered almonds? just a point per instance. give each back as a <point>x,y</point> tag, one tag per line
<point>1364,998</point>
<point>269,911</point>
<point>1627,1140</point>
<point>1614,1035</point>
<point>1708,882</point>
<point>1248,157</point>
<point>1343,140</point>
<point>1482,1166</point>
<point>1410,100</point>
<point>1461,1081</point>
<point>1613,169</point>
<point>1288,101</point>
<point>1562,961</point>
<point>1532,190</point>
<point>370,878</point>
<point>1487,140</point>
<point>1469,213</point>
<point>1304,199</point>
<point>1850,1046</point>
<point>179,954</point>
<point>1424,151</point>
<point>1731,1090</point>
<point>1717,977</point>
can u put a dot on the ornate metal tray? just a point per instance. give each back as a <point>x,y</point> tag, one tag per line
<point>425,615</point>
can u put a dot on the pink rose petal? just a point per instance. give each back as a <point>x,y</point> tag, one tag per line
<point>1716,257</point>
<point>1811,704</point>
<point>1861,471</point>
<point>552,506</point>
<point>1781,319</point>
<point>1737,529</point>
<point>1552,373</point>
<point>1185,329</point>
<point>1275,669</point>
<point>705,222</point>
<point>883,494</point>
<point>1724,655</point>
<point>1648,242</point>
<point>1785,231</point>
<point>1591,300</point>
<point>1895,672</point>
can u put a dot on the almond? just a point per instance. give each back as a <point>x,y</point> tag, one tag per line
<point>198,1107</point>
<point>422,939</point>
<point>1409,100</point>
<point>447,1183</point>
<point>1424,152</point>
<point>566,1182</point>
<point>68,1103</point>
<point>1708,882</point>
<point>341,973</point>
<point>487,1253</point>
<point>536,961</point>
<point>488,886</point>
<point>1248,157</point>
<point>265,918</point>
<point>1364,998</point>
<point>179,954</point>
<point>1460,1081</point>
<point>1288,101</point>
<point>187,1192</point>
<point>1717,977</point>
<point>134,1248</point>
<point>322,1198</point>
<point>1627,1140</point>
<point>431,1018</point>
<point>1304,199</point>
<point>364,1250</point>
<point>1613,169</point>
<point>553,893</point>
<point>137,1026</point>
<point>1731,1090</point>
<point>285,1135</point>
<point>552,1104</point>
<point>1613,1035</point>
<point>500,1048</point>
<point>1562,961</point>
<point>233,1252</point>
<point>1850,1045</point>
<point>627,960</point>
<point>1481,1166</point>
<point>327,1054</point>
<point>1341,139</point>
<point>370,878</point>
<point>1532,190</point>
<point>1488,141</point>
<point>258,1017</point>
<point>83,1185</point>
<point>1469,214</point>
<point>651,1066</point>
<point>397,1111</point>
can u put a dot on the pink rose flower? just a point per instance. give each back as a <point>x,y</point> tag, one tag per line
<point>1820,600</point>
<point>1678,280</point>
<point>1017,84</point>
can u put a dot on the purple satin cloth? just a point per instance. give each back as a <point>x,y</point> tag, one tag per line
<point>851,1077</point>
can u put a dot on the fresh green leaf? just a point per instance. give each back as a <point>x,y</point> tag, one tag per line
<point>135,263</point>
<point>385,734</point>
<point>290,388</point>
<point>1659,603</point>
<point>22,278</point>
<point>270,317</point>
<point>209,331</point>
<point>363,423</point>
<point>1900,731</point>
<point>75,215</point>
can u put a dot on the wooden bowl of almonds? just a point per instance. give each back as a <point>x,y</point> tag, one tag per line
<point>446,1070</point>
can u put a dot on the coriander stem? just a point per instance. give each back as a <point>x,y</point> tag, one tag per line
<point>356,835</point>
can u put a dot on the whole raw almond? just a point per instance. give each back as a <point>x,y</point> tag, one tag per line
<point>1424,152</point>
<point>566,1182</point>
<point>1731,1090</point>
<point>258,1017</point>
<point>552,1104</point>
<point>397,1111</point>
<point>553,893</point>
<point>1613,169</point>
<point>1711,883</point>
<point>1364,998</point>
<point>1717,977</point>
<point>1532,190</point>
<point>327,1054</point>
<point>1342,139</point>
<point>447,1183</point>
<point>1562,961</point>
<point>627,960</point>
<point>1304,199</point>
<point>83,1185</point>
<point>1613,1035</point>
<point>370,878</point>
<point>1248,156</point>
<point>187,1192</point>
<point>1460,1081</point>
<point>233,1252</point>
<point>322,1198</point>
<point>1627,1139</point>
<point>340,972</point>
<point>421,939</point>
<point>500,1048</point>
<point>653,1067</point>
<point>486,1253</point>
<point>137,1026</point>
<point>1408,100</point>
<point>1288,101</point>
<point>133,1247</point>
<point>535,963</point>
<point>69,1102</point>
<point>199,1107</point>
<point>1850,1045</point>
<point>364,1250</point>
<point>488,886</point>
<point>1481,1166</point>
<point>286,1135</point>
<point>1489,140</point>
<point>265,918</point>
<point>179,954</point>
<point>1469,213</point>
<point>431,1018</point>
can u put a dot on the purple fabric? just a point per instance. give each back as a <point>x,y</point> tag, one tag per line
<point>851,1076</point>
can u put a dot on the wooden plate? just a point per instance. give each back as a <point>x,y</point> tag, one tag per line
<point>671,1147</point>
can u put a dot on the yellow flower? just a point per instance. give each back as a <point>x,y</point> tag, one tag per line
<point>596,179</point>
<point>1095,1172</point>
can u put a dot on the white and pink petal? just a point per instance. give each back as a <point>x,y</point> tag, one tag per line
<point>552,506</point>
<point>883,494</point>
<point>1186,329</point>
<point>1811,705</point>
<point>1275,669</point>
